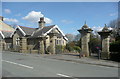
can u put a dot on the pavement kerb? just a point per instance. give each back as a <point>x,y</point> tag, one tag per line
<point>86,62</point>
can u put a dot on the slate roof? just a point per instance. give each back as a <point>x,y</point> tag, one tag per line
<point>28,30</point>
<point>7,34</point>
<point>5,27</point>
<point>39,32</point>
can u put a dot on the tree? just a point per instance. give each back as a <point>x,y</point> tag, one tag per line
<point>115,24</point>
<point>77,37</point>
<point>115,45</point>
<point>70,37</point>
<point>72,46</point>
<point>69,48</point>
<point>94,42</point>
<point>115,52</point>
<point>77,49</point>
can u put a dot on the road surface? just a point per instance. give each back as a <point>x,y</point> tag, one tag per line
<point>20,65</point>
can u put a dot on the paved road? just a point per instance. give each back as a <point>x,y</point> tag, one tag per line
<point>19,65</point>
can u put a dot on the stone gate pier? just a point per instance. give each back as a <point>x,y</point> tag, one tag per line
<point>85,38</point>
<point>52,42</point>
<point>23,45</point>
<point>42,46</point>
<point>105,42</point>
<point>41,49</point>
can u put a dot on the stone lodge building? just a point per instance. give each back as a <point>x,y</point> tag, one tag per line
<point>37,40</point>
<point>5,33</point>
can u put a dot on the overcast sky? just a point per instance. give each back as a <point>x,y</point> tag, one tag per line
<point>69,16</point>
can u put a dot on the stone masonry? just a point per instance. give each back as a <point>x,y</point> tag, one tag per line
<point>23,45</point>
<point>85,37</point>
<point>42,46</point>
<point>52,42</point>
<point>105,42</point>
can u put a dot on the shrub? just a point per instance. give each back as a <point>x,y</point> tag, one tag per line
<point>69,48</point>
<point>77,48</point>
<point>115,46</point>
<point>115,56</point>
<point>115,51</point>
<point>59,48</point>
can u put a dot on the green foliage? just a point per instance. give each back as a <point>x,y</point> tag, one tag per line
<point>73,46</point>
<point>77,48</point>
<point>115,56</point>
<point>117,38</point>
<point>78,43</point>
<point>69,48</point>
<point>115,50</point>
<point>63,48</point>
<point>60,49</point>
<point>115,46</point>
<point>70,45</point>
<point>94,42</point>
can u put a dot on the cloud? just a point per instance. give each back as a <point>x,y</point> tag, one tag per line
<point>10,20</point>
<point>113,14</point>
<point>97,28</point>
<point>66,21</point>
<point>7,11</point>
<point>34,16</point>
<point>48,21</point>
<point>110,28</point>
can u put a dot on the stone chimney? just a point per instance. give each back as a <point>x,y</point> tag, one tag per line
<point>41,22</point>
<point>1,18</point>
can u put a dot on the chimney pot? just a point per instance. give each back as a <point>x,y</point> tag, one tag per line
<point>1,18</point>
<point>41,22</point>
<point>42,19</point>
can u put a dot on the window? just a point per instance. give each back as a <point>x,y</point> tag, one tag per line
<point>57,42</point>
<point>17,41</point>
